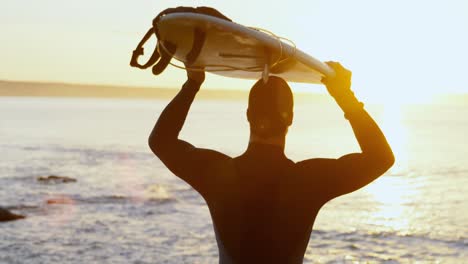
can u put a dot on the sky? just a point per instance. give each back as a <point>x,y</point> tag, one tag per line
<point>400,50</point>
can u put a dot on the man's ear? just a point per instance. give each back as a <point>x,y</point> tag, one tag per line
<point>287,118</point>
<point>290,118</point>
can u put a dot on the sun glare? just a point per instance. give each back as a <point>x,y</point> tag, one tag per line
<point>396,133</point>
<point>392,192</point>
<point>392,195</point>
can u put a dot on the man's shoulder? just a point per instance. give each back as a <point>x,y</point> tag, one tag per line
<point>315,163</point>
<point>210,155</point>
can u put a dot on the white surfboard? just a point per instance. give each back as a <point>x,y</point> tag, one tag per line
<point>233,50</point>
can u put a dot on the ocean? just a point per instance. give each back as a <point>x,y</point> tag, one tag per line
<point>126,207</point>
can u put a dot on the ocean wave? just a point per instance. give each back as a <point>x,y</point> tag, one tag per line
<point>104,152</point>
<point>451,171</point>
<point>42,207</point>
<point>108,199</point>
<point>353,238</point>
<point>21,207</point>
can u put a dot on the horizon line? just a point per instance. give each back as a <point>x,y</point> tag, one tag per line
<point>152,92</point>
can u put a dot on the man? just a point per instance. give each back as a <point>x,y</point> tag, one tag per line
<point>263,205</point>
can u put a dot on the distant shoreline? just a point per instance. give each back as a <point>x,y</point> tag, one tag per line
<point>51,89</point>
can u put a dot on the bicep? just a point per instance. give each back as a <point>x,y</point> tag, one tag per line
<point>189,162</point>
<point>335,177</point>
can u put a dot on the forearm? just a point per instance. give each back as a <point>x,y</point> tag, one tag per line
<point>368,134</point>
<point>373,144</point>
<point>173,117</point>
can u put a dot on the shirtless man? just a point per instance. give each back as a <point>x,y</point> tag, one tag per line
<point>263,205</point>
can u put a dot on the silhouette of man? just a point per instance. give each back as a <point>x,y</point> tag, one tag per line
<point>263,205</point>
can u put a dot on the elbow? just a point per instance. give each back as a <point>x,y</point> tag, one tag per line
<point>156,144</point>
<point>381,161</point>
<point>161,142</point>
<point>386,160</point>
<point>390,160</point>
<point>152,144</point>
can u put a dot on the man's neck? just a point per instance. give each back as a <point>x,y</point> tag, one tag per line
<point>274,141</point>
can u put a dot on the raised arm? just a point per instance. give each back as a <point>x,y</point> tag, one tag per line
<point>183,159</point>
<point>352,171</point>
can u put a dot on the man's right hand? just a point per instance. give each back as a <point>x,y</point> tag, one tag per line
<point>340,84</point>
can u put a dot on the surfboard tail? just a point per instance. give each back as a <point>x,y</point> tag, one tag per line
<point>163,52</point>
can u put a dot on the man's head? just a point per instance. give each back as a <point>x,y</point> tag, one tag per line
<point>270,111</point>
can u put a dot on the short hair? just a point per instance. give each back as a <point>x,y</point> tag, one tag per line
<point>270,107</point>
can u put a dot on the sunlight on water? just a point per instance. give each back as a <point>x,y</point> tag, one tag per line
<point>156,191</point>
<point>397,135</point>
<point>392,195</point>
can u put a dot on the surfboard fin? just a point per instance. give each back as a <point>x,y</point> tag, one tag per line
<point>266,68</point>
<point>266,73</point>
